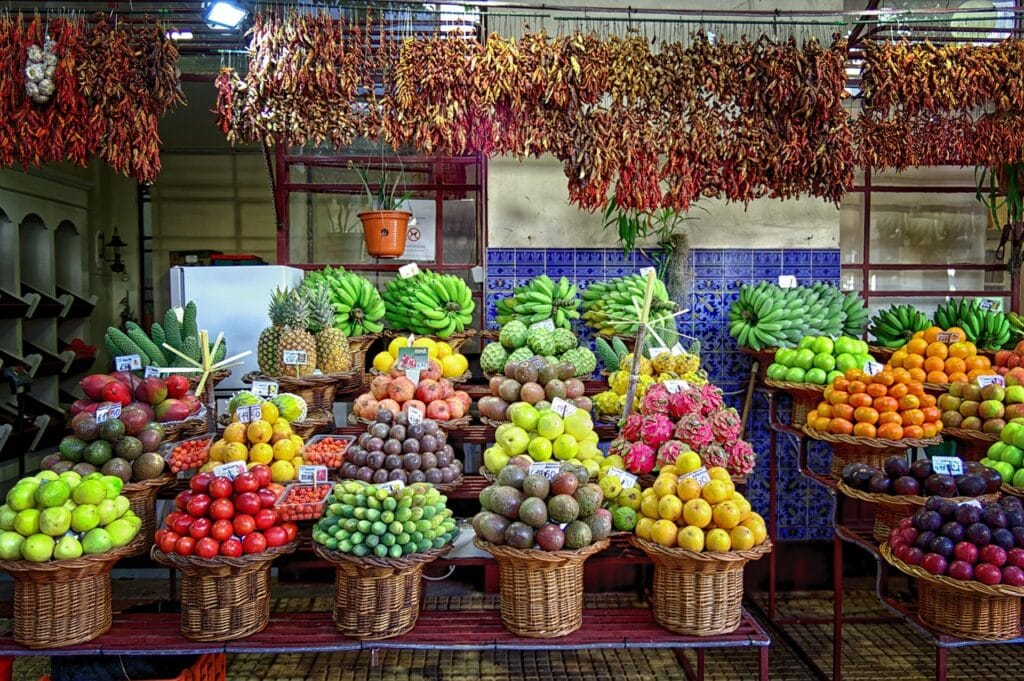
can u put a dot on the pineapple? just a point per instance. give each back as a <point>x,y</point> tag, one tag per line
<point>332,353</point>
<point>267,355</point>
<point>295,336</point>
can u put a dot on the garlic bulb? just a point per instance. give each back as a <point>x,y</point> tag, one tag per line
<point>40,65</point>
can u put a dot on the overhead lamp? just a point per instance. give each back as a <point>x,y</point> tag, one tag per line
<point>225,14</point>
<point>115,244</point>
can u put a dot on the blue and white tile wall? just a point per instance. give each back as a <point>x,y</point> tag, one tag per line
<point>804,508</point>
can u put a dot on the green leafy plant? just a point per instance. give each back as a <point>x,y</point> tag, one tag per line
<point>385,196</point>
<point>1000,187</point>
<point>632,226</point>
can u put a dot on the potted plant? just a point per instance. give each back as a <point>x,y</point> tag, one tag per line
<point>385,224</point>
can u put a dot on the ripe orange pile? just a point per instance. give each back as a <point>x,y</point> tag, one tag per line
<point>930,360</point>
<point>889,405</point>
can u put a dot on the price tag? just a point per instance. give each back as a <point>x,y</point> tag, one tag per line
<point>871,368</point>
<point>415,416</point>
<point>412,361</point>
<point>677,350</point>
<point>944,337</point>
<point>410,270</point>
<point>265,388</point>
<point>312,475</point>
<point>947,465</point>
<point>562,408</point>
<point>653,352</point>
<point>676,386</point>
<point>996,379</point>
<point>230,470</point>
<point>390,485</point>
<point>107,411</point>
<point>787,281</point>
<point>970,502</point>
<point>700,475</point>
<point>249,413</point>
<point>991,304</point>
<point>295,357</point>
<point>549,469</point>
<point>127,363</point>
<point>627,479</point>
<point>151,372</point>
<point>647,271</point>
<point>547,325</point>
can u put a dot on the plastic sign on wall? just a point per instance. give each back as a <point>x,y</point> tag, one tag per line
<point>421,235</point>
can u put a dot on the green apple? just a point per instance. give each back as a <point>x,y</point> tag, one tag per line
<point>72,478</point>
<point>845,345</point>
<point>10,545</point>
<point>107,510</point>
<point>587,450</point>
<point>1007,433</point>
<point>846,361</point>
<point>795,375</point>
<point>785,356</point>
<point>823,345</point>
<point>89,491</point>
<point>833,375</point>
<point>995,452</point>
<point>1014,394</point>
<point>565,447</point>
<point>1013,456</point>
<point>816,376</point>
<point>1018,481</point>
<point>121,532</point>
<point>495,458</point>
<point>1005,469</point>
<point>825,362</point>
<point>1017,440</point>
<point>38,548</point>
<point>807,342</point>
<point>776,371</point>
<point>122,504</point>
<point>987,462</point>
<point>804,359</point>
<point>113,485</point>
<point>46,476</point>
<point>540,448</point>
<point>67,548</point>
<point>52,493</point>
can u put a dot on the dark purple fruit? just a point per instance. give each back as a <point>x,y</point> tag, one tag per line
<point>1018,536</point>
<point>906,485</point>
<point>358,456</point>
<point>967,514</point>
<point>896,467</point>
<point>411,462</point>
<point>927,521</point>
<point>971,485</point>
<point>349,470</point>
<point>940,485</point>
<point>385,416</point>
<point>429,443</point>
<point>993,516</point>
<point>392,461</point>
<point>942,546</point>
<point>397,432</point>
<point>443,457</point>
<point>399,474</point>
<point>434,476</point>
<point>365,474</point>
<point>415,432</point>
<point>880,484</point>
<point>411,446</point>
<point>380,476</point>
<point>392,447</point>
<point>417,476</point>
<point>429,426</point>
<point>953,530</point>
<point>1014,517</point>
<point>549,538</point>
<point>978,534</point>
<point>1011,503</point>
<point>863,475</point>
<point>519,535</point>
<point>934,504</point>
<point>428,460</point>
<point>1004,538</point>
<point>925,539</point>
<point>375,460</point>
<point>380,430</point>
<point>448,474</point>
<point>921,469</point>
<point>375,444</point>
<point>363,439</point>
<point>993,480</point>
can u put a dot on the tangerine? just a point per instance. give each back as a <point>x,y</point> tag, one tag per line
<point>931,414</point>
<point>884,377</point>
<point>914,361</point>
<point>866,415</point>
<point>933,363</point>
<point>928,400</point>
<point>840,426</point>
<point>857,387</point>
<point>912,417</point>
<point>890,417</point>
<point>838,397</point>
<point>865,430</point>
<point>897,358</point>
<point>960,350</point>
<point>958,376</point>
<point>913,432</point>
<point>843,411</point>
<point>909,402</point>
<point>853,375</point>
<point>917,346</point>
<point>938,377</point>
<point>976,362</point>
<point>877,390</point>
<point>901,375</point>
<point>918,375</point>
<point>915,388</point>
<point>884,404</point>
<point>890,431</point>
<point>936,349</point>
<point>931,334</point>
<point>841,383</point>
<point>930,429</point>
<point>898,390</point>
<point>954,365</point>
<point>861,400</point>
<point>824,409</point>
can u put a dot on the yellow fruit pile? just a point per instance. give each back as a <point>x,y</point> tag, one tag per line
<point>678,511</point>
<point>453,364</point>
<point>269,441</point>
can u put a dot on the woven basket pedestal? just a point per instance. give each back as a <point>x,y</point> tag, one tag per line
<point>967,614</point>
<point>843,454</point>
<point>142,501</point>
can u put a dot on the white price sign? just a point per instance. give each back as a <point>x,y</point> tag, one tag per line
<point>985,381</point>
<point>127,363</point>
<point>547,325</point>
<point>970,502</point>
<point>990,304</point>
<point>549,469</point>
<point>648,271</point>
<point>657,351</point>
<point>627,479</point>
<point>676,386</point>
<point>312,475</point>
<point>947,465</point>
<point>265,388</point>
<point>230,470</point>
<point>295,357</point>
<point>249,413</point>
<point>392,485</point>
<point>700,475</point>
<point>151,372</point>
<point>107,411</point>
<point>787,281</point>
<point>415,416</point>
<point>410,270</point>
<point>562,408</point>
<point>871,368</point>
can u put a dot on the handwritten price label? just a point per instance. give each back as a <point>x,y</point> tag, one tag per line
<point>230,470</point>
<point>312,475</point>
<point>265,388</point>
<point>415,416</point>
<point>110,410</point>
<point>410,270</point>
<point>985,381</point>
<point>295,357</point>
<point>249,413</point>
<point>947,465</point>
<point>626,479</point>
<point>151,372</point>
<point>700,475</point>
<point>562,408</point>
<point>990,304</point>
<point>548,469</point>
<point>547,325</point>
<point>676,386</point>
<point>127,363</point>
<point>944,337</point>
<point>412,361</point>
<point>871,368</point>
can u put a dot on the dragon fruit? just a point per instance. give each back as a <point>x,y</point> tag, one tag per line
<point>655,400</point>
<point>711,399</point>
<point>741,457</point>
<point>619,446</point>
<point>631,428</point>
<point>669,452</point>
<point>684,402</point>
<point>694,431</point>
<point>725,424</point>
<point>714,455</point>
<point>640,458</point>
<point>656,429</point>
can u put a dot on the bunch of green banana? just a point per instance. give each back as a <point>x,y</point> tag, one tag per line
<point>1016,330</point>
<point>358,307</point>
<point>181,334</point>
<point>541,299</point>
<point>429,304</point>
<point>768,316</point>
<point>613,307</point>
<point>895,325</point>
<point>987,329</point>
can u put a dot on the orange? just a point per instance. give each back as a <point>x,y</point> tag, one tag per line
<point>976,362</point>
<point>956,334</point>
<point>912,417</point>
<point>825,409</point>
<point>883,404</point>
<point>974,373</point>
<point>931,334</point>
<point>919,334</point>
<point>939,425</point>
<point>915,388</point>
<point>931,414</point>
<point>890,431</point>
<point>938,377</point>
<point>902,376</point>
<point>960,350</point>
<point>954,364</point>
<point>821,424</point>
<point>885,378</point>
<point>840,427</point>
<point>913,431</point>
<point>972,349</point>
<point>853,375</point>
<point>898,390</point>
<point>909,402</point>
<point>865,430</point>
<point>877,390</point>
<point>914,361</point>
<point>861,400</point>
<point>934,364</point>
<point>930,429</point>
<point>917,375</point>
<point>840,383</point>
<point>857,387</point>
<point>927,400</point>
<point>897,358</point>
<point>866,415</point>
<point>890,417</point>
<point>958,376</point>
<point>843,412</point>
<point>838,397</point>
<point>917,346</point>
<point>940,350</point>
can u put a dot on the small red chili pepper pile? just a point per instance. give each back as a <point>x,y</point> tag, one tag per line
<point>111,82</point>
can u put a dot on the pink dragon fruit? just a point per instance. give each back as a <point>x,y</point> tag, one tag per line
<point>694,431</point>
<point>741,458</point>
<point>669,452</point>
<point>656,429</point>
<point>725,424</point>
<point>620,446</point>
<point>631,428</point>
<point>684,402</point>
<point>656,400</point>
<point>711,399</point>
<point>640,458</point>
<point>714,455</point>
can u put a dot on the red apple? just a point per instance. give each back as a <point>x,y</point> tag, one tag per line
<point>986,573</point>
<point>207,547</point>
<point>199,505</point>
<point>231,548</point>
<point>254,543</point>
<point>243,524</point>
<point>200,482</point>
<point>248,502</point>
<point>276,536</point>
<point>246,482</point>
<point>267,498</point>
<point>169,541</point>
<point>200,528</point>
<point>262,474</point>
<point>222,509</point>
<point>222,529</point>
<point>221,488</point>
<point>291,530</point>
<point>185,546</point>
<point>265,518</point>
<point>182,524</point>
<point>181,501</point>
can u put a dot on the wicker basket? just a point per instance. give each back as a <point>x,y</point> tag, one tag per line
<point>764,359</point>
<point>1012,491</point>
<point>541,591</point>
<point>806,397</point>
<point>182,430</point>
<point>317,390</point>
<point>491,477</point>
<point>377,598</point>
<point>870,450</point>
<point>223,599</point>
<point>698,594</point>
<point>359,346</point>
<point>64,602</point>
<point>971,445</point>
<point>966,609</point>
<point>890,509</point>
<point>142,499</point>
<point>881,354</point>
<point>456,340</point>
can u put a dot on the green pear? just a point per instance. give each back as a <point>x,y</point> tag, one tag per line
<point>10,545</point>
<point>67,548</point>
<point>108,511</point>
<point>38,548</point>
<point>84,518</point>
<point>96,541</point>
<point>26,523</point>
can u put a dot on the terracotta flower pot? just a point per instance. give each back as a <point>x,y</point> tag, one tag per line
<point>384,231</point>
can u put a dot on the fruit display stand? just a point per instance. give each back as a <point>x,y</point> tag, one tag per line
<point>870,450</point>
<point>971,445</point>
<point>317,390</point>
<point>142,497</point>
<point>805,397</point>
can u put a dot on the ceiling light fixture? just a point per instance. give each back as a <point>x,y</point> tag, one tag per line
<point>225,14</point>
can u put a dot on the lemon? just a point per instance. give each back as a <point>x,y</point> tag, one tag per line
<point>663,486</point>
<point>670,507</point>
<point>688,488</point>
<point>218,450</point>
<point>259,431</point>
<point>649,507</point>
<point>395,344</point>
<point>741,502</point>
<point>691,538</point>
<point>757,528</point>
<point>742,538</point>
<point>697,512</point>
<point>715,492</point>
<point>207,467</point>
<point>297,461</point>
<point>283,471</point>
<point>648,492</point>
<point>423,342</point>
<point>261,452</point>
<point>444,350</point>
<point>688,462</point>
<point>269,412</point>
<point>297,441</point>
<point>643,528</point>
<point>236,451</point>
<point>454,365</point>
<point>717,540</point>
<point>726,515</point>
<point>284,450</point>
<point>235,432</point>
<point>664,532</point>
<point>719,473</point>
<point>383,361</point>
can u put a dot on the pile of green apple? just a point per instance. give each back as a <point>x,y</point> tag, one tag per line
<point>61,517</point>
<point>543,435</point>
<point>1007,455</point>
<point>818,359</point>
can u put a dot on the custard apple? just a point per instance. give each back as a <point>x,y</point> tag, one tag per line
<point>583,359</point>
<point>541,341</point>
<point>493,358</point>
<point>564,340</point>
<point>513,335</point>
<point>520,355</point>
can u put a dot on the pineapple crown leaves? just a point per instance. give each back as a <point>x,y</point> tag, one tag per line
<point>278,308</point>
<point>297,315</point>
<point>322,310</point>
